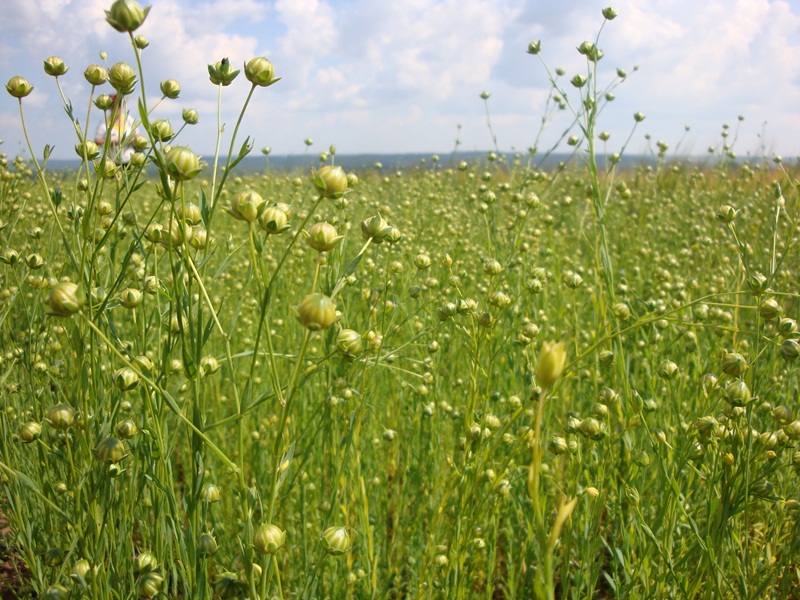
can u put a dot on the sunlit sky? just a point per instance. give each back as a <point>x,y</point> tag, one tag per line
<point>379,76</point>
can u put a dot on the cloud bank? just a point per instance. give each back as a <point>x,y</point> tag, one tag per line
<point>401,77</point>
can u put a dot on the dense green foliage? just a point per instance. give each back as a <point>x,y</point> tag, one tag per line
<point>454,381</point>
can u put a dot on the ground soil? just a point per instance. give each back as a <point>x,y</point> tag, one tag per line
<point>10,564</point>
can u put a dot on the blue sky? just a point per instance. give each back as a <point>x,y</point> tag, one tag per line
<point>387,76</point>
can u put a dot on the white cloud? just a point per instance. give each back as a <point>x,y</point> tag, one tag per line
<point>310,36</point>
<point>223,13</point>
<point>392,76</point>
<point>723,61</point>
<point>430,48</point>
<point>183,48</point>
<point>701,64</point>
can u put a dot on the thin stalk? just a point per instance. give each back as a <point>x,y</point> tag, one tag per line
<point>220,129</point>
<point>215,193</point>
<point>45,189</point>
<point>169,399</point>
<point>276,448</point>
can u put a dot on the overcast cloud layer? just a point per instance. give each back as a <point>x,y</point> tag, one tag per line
<point>386,76</point>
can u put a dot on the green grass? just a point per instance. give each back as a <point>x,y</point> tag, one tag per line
<point>429,450</point>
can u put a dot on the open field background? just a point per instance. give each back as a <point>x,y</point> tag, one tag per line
<point>492,376</point>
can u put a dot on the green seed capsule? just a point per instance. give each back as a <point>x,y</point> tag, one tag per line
<point>259,71</point>
<point>534,285</point>
<point>66,298</point>
<point>56,592</point>
<point>182,163</point>
<point>782,414</point>
<point>323,236</point>
<point>95,75</point>
<point>336,540</point>
<point>608,396</point>
<point>150,584</point>
<point>667,370</point>
<point>316,311</point>
<point>642,459</point>
<point>792,431</point>
<point>572,280</point>
<point>726,214</point>
<point>446,311</point>
<point>125,379</point>
<point>393,236</point>
<point>349,343</point>
<point>621,311</point>
<point>83,570</point>
<point>422,261</point>
<point>210,493</point>
<point>706,426</point>
<point>606,358</point>
<point>126,15</point>
<point>762,489</point>
<point>209,365</point>
<point>787,327</point>
<point>222,73</point>
<point>190,116</point>
<point>273,220</point>
<point>121,75</point>
<point>87,149</point>
<point>769,309</point>
<point>206,545</point>
<point>492,267</point>
<point>734,364</point>
<point>130,298</point>
<point>550,363</point>
<point>558,445</point>
<point>126,429</point>
<point>18,87</point>
<point>486,321</point>
<point>790,349</point>
<point>60,416</point>
<point>54,66</point>
<point>499,299</point>
<point>110,451</point>
<point>757,282</point>
<point>466,306</point>
<point>330,182</point>
<point>573,425</point>
<point>591,428</point>
<point>145,562</point>
<point>30,432</point>
<point>709,383</point>
<point>738,394</point>
<point>144,363</point>
<point>534,48</point>
<point>170,88</point>
<point>650,405</point>
<point>140,143</point>
<point>268,538</point>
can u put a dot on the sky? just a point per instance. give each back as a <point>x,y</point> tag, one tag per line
<point>385,76</point>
